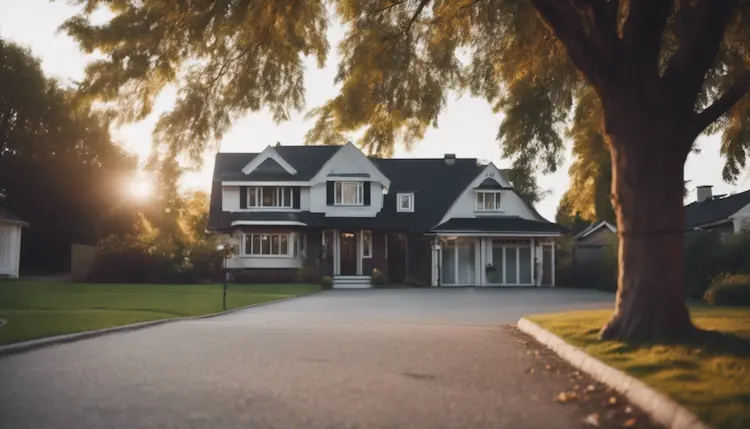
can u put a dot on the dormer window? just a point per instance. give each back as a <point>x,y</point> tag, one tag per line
<point>405,202</point>
<point>269,196</point>
<point>349,194</point>
<point>488,201</point>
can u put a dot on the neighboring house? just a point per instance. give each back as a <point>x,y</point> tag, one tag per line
<point>597,234</point>
<point>10,243</point>
<point>446,222</point>
<point>726,214</point>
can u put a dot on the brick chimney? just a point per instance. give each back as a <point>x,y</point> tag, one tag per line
<point>704,193</point>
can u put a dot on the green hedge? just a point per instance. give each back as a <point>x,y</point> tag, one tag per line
<point>729,289</point>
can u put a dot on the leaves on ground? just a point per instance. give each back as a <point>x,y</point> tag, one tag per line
<point>564,397</point>
<point>592,419</point>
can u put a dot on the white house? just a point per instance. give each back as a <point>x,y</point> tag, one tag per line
<point>444,221</point>
<point>10,243</point>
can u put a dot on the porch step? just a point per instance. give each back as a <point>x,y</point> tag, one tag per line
<point>351,282</point>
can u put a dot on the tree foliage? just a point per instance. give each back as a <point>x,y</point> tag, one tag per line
<point>400,60</point>
<point>59,168</point>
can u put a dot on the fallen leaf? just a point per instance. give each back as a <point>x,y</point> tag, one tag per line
<point>592,419</point>
<point>612,400</point>
<point>628,410</point>
<point>629,423</point>
<point>536,352</point>
<point>530,370</point>
<point>590,388</point>
<point>564,397</point>
<point>548,366</point>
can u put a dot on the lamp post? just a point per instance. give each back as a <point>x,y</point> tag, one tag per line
<point>227,247</point>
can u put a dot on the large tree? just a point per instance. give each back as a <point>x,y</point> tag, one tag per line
<point>59,168</point>
<point>662,71</point>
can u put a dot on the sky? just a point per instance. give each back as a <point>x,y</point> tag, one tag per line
<point>467,127</point>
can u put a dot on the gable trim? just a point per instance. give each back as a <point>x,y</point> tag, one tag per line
<point>378,176</point>
<point>592,229</point>
<point>268,152</point>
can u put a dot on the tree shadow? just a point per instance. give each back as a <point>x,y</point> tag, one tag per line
<point>721,343</point>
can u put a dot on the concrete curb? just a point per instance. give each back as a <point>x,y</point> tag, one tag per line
<point>661,408</point>
<point>78,336</point>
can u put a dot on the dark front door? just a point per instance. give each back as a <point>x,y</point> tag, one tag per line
<point>348,253</point>
<point>396,251</point>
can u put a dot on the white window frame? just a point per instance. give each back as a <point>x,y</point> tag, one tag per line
<point>366,244</point>
<point>481,207</point>
<point>410,197</point>
<point>280,199</point>
<point>247,238</point>
<point>338,194</point>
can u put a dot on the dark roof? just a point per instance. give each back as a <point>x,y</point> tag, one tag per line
<point>435,185</point>
<point>225,219</point>
<point>500,224</point>
<point>714,210</point>
<point>490,184</point>
<point>307,160</point>
<point>8,216</point>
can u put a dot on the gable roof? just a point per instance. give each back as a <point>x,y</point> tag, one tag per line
<point>307,160</point>
<point>435,185</point>
<point>595,227</point>
<point>7,216</point>
<point>714,210</point>
<point>272,160</point>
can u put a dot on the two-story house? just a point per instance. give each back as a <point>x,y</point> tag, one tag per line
<point>446,222</point>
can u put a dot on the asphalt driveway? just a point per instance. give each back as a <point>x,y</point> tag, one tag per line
<point>338,359</point>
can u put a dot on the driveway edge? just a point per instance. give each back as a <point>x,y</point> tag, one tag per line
<point>24,346</point>
<point>661,408</point>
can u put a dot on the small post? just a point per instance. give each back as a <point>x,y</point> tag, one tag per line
<point>226,279</point>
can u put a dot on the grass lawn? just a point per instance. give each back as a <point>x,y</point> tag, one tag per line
<point>713,382</point>
<point>35,309</point>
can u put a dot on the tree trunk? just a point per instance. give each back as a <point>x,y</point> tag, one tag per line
<point>648,157</point>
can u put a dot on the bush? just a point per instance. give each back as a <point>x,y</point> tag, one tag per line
<point>378,278</point>
<point>326,282</point>
<point>729,289</point>
<point>413,282</point>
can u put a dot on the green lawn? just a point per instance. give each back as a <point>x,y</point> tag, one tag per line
<point>36,309</point>
<point>712,380</point>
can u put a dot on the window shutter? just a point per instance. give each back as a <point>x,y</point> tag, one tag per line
<point>296,196</point>
<point>366,189</point>
<point>243,197</point>
<point>329,193</point>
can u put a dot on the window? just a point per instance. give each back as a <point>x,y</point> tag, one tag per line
<point>348,194</point>
<point>488,201</point>
<point>268,244</point>
<point>269,196</point>
<point>367,244</point>
<point>405,202</point>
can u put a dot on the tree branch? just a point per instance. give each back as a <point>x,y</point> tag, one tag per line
<point>721,105</point>
<point>585,51</point>
<point>644,28</point>
<point>702,28</point>
<point>390,6</point>
<point>418,12</point>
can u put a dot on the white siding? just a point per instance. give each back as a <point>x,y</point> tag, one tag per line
<point>510,203</point>
<point>741,219</point>
<point>230,198</point>
<point>263,262</point>
<point>304,199</point>
<point>10,248</point>
<point>318,203</point>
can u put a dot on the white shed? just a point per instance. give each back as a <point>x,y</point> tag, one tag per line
<point>10,243</point>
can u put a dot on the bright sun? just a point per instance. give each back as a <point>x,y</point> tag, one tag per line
<point>140,188</point>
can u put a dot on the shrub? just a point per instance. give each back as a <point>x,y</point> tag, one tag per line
<point>729,289</point>
<point>378,278</point>
<point>326,282</point>
<point>413,282</point>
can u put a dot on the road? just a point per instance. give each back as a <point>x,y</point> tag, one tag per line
<point>337,359</point>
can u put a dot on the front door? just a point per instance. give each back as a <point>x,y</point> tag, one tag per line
<point>348,246</point>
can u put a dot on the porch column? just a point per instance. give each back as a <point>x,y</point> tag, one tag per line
<point>533,261</point>
<point>553,264</point>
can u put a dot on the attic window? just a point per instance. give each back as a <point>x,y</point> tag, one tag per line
<point>405,202</point>
<point>488,201</point>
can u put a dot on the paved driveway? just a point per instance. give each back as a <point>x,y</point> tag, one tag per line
<point>338,359</point>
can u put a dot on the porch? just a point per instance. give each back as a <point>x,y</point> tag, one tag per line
<point>493,261</point>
